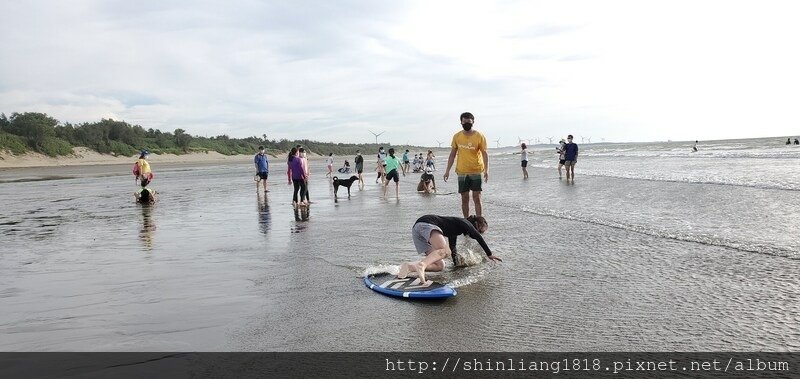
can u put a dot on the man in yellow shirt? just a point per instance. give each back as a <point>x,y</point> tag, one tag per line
<point>470,146</point>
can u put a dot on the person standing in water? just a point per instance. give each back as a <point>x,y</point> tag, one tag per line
<point>406,163</point>
<point>524,160</point>
<point>435,238</point>
<point>297,176</point>
<point>304,157</point>
<point>560,151</point>
<point>570,157</point>
<point>381,168</point>
<point>359,161</point>
<point>392,164</point>
<point>694,148</point>
<point>329,162</point>
<point>142,169</point>
<point>262,168</point>
<point>470,147</point>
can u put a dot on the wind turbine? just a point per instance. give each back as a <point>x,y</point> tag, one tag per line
<point>589,139</point>
<point>376,135</point>
<point>440,143</point>
<point>498,142</point>
<point>537,140</point>
<point>551,140</point>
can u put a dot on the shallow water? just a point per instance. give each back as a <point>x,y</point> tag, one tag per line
<point>642,252</point>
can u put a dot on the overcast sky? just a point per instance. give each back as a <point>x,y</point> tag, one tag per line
<point>334,70</point>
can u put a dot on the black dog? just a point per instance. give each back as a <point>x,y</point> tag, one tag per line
<point>343,182</point>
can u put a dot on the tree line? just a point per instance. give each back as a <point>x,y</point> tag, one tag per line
<point>32,131</point>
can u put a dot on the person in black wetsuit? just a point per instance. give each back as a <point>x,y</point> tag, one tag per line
<point>435,237</point>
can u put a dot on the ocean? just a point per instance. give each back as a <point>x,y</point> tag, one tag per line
<point>651,248</point>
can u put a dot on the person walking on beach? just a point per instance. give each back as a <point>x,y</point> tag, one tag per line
<point>262,168</point>
<point>359,161</point>
<point>329,162</point>
<point>524,160</point>
<point>141,169</point>
<point>297,176</point>
<point>560,151</point>
<point>470,147</point>
<point>570,157</point>
<point>435,238</point>
<point>392,164</point>
<point>406,162</point>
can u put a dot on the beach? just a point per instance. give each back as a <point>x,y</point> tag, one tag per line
<point>86,157</point>
<point>651,248</point>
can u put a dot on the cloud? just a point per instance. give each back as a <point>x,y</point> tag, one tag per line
<point>332,70</point>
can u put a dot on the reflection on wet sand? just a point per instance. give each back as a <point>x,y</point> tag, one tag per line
<point>148,226</point>
<point>301,214</point>
<point>264,216</point>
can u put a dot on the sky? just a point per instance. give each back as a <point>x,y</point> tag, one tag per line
<point>337,71</point>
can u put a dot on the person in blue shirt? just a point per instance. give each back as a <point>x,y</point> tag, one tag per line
<point>406,162</point>
<point>570,157</point>
<point>262,168</point>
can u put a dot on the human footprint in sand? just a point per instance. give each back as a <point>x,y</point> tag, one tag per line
<point>431,234</point>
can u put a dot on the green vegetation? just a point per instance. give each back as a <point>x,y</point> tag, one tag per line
<point>23,132</point>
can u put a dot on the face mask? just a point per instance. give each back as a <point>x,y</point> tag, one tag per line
<point>467,126</point>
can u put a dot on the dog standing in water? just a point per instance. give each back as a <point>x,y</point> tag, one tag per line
<point>343,182</point>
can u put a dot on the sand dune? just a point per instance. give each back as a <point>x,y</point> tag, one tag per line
<point>85,156</point>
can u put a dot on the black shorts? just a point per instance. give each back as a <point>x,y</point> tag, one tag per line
<point>561,161</point>
<point>263,175</point>
<point>524,163</point>
<point>393,175</point>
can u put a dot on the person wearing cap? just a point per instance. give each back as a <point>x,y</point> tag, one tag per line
<point>142,169</point>
<point>470,147</point>
<point>262,168</point>
<point>570,157</point>
<point>427,182</point>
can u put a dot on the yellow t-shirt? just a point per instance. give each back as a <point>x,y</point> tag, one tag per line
<point>144,167</point>
<point>469,147</point>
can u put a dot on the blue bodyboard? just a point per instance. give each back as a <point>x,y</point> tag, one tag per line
<point>409,288</point>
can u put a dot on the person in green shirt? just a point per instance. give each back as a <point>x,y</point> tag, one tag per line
<point>392,165</point>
